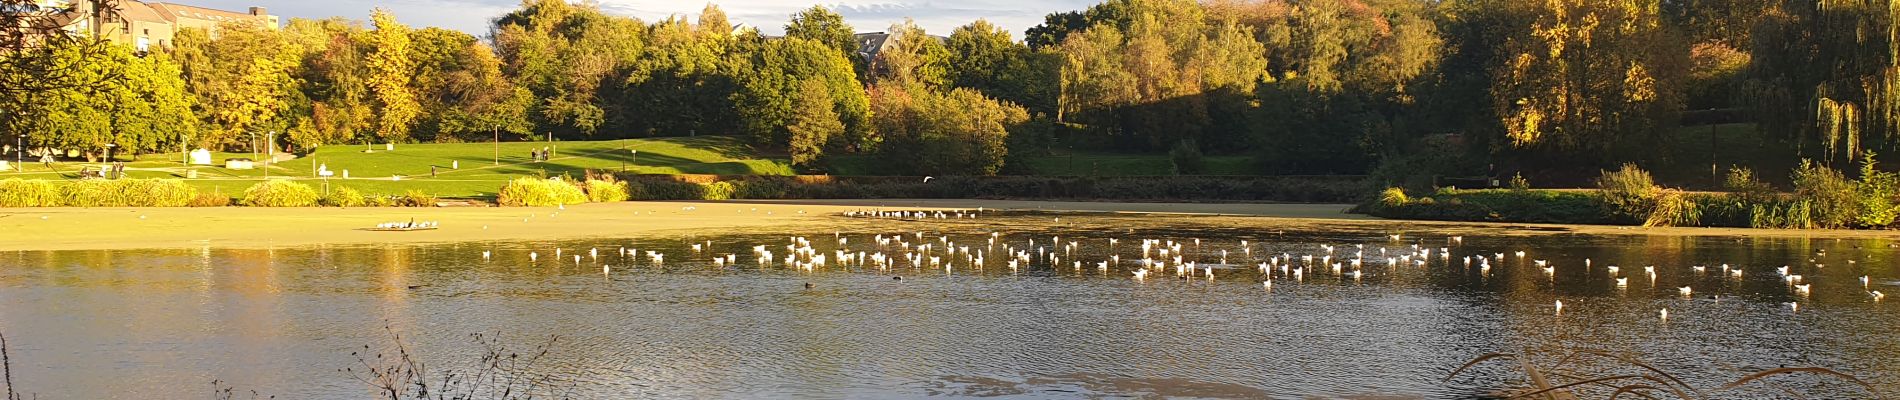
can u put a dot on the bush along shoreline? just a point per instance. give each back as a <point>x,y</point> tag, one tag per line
<point>1156,188</point>
<point>16,192</point>
<point>607,187</point>
<point>1822,198</point>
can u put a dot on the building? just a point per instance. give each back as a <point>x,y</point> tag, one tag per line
<point>144,25</point>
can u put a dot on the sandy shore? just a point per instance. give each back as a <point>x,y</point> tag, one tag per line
<point>243,227</point>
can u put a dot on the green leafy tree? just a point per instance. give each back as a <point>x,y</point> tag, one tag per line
<point>959,132</point>
<point>241,82</point>
<point>822,25</point>
<point>813,123</point>
<point>335,82</point>
<point>915,57</point>
<point>769,97</point>
<point>1587,74</point>
<point>390,72</point>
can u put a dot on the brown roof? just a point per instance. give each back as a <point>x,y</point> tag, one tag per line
<point>175,11</point>
<point>140,12</point>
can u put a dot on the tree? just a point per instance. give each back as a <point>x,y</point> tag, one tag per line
<point>813,123</point>
<point>151,109</point>
<point>959,132</point>
<point>984,58</point>
<point>1587,74</point>
<point>241,82</point>
<point>769,96</point>
<point>916,57</point>
<point>822,25</point>
<point>335,82</point>
<point>462,91</point>
<point>1148,73</point>
<point>390,72</point>
<point>573,60</point>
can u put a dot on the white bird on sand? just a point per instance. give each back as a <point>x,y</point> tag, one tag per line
<point>928,178</point>
<point>1560,307</point>
<point>1685,290</point>
<point>1802,289</point>
<point>1877,295</point>
<point>1622,282</point>
<point>484,254</point>
<point>1665,314</point>
<point>533,256</point>
<point>1268,285</point>
<point>1863,281</point>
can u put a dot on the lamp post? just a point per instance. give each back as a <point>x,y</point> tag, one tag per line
<point>19,153</point>
<point>270,152</point>
<point>497,130</point>
<point>636,159</point>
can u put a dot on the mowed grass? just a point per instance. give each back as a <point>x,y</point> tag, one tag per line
<point>481,172</point>
<point>1691,149</point>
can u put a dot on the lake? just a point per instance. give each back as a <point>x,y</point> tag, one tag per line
<point>288,322</point>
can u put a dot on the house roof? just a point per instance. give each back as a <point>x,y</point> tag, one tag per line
<point>175,11</point>
<point>140,12</point>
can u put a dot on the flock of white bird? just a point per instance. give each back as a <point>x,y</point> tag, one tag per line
<point>1145,259</point>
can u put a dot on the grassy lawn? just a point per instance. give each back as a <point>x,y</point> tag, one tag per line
<point>480,173</point>
<point>1686,161</point>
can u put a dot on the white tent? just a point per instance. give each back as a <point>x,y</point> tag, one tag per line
<point>201,157</point>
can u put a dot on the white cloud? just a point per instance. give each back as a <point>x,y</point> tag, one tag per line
<point>769,16</point>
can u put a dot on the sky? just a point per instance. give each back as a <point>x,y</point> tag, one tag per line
<point>473,16</point>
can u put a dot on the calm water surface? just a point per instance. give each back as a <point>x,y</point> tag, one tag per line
<point>146,324</point>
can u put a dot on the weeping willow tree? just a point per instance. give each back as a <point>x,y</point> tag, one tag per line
<point>1828,73</point>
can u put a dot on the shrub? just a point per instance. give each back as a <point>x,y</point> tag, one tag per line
<point>763,187</point>
<point>1187,159</point>
<point>343,197</point>
<point>539,192</point>
<point>92,193</point>
<point>1392,198</point>
<point>279,193</point>
<point>157,192</point>
<point>416,198</point>
<point>16,192</point>
<point>606,191</point>
<point>717,191</point>
<point>1781,215</point>
<point>1829,196</point>
<point>1629,194</point>
<point>1873,197</point>
<point>1518,182</point>
<point>1743,182</point>
<point>377,200</point>
<point>666,190</point>
<point>1673,208</point>
<point>209,200</point>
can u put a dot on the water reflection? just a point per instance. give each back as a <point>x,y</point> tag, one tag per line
<point>165,323</point>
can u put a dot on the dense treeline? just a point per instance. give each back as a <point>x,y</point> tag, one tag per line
<point>1392,87</point>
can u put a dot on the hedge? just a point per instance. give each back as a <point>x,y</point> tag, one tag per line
<point>1157,188</point>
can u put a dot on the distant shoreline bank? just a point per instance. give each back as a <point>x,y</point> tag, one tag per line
<point>26,229</point>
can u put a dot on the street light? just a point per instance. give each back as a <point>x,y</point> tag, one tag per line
<point>19,155</point>
<point>497,130</point>
<point>269,151</point>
